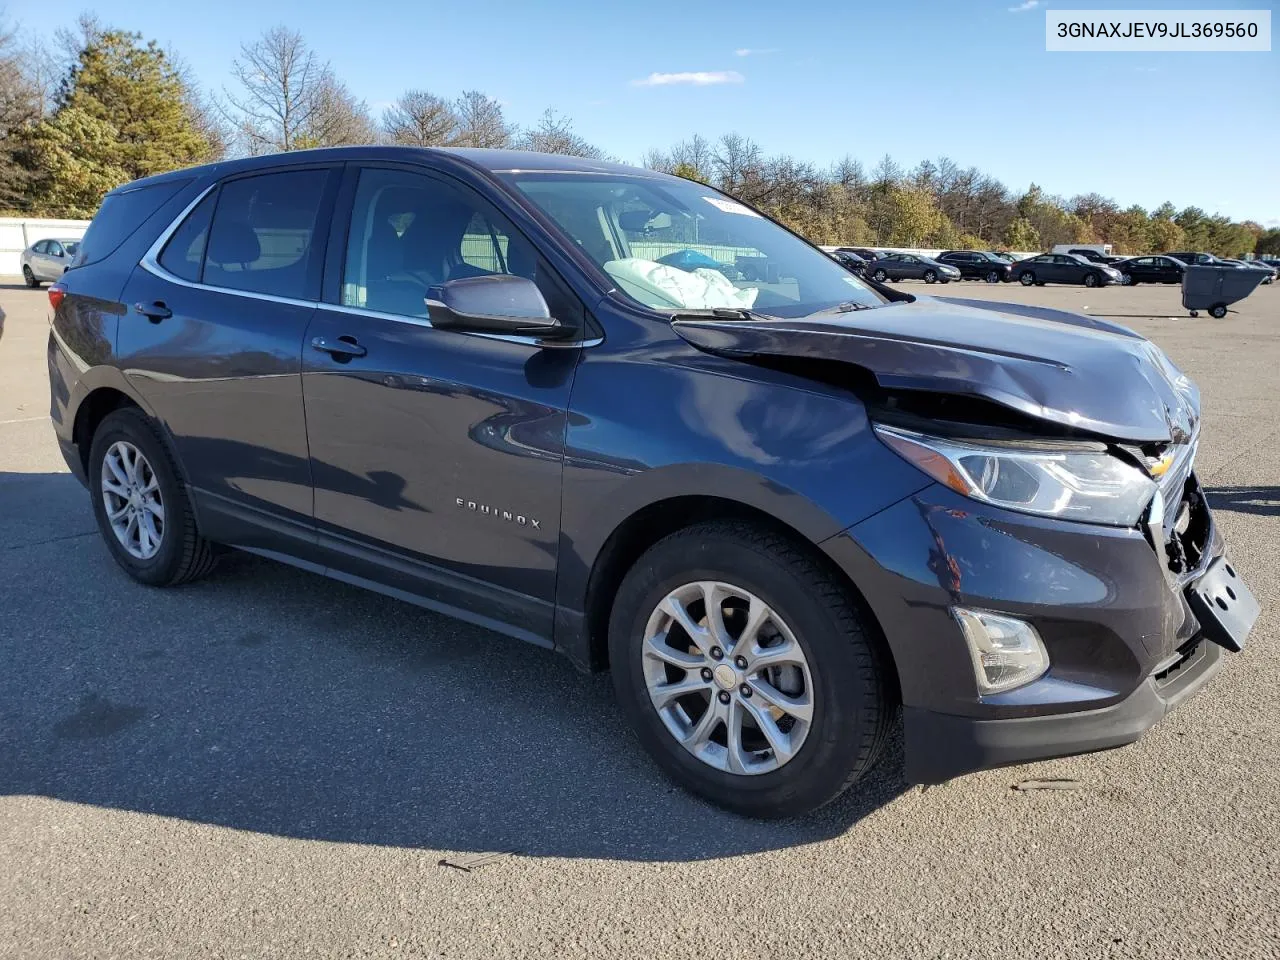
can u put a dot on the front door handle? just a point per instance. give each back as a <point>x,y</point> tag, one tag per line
<point>342,349</point>
<point>154,311</point>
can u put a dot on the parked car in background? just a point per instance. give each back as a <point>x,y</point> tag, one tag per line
<point>1191,256</point>
<point>977,265</point>
<point>1094,256</point>
<point>1272,262</point>
<point>866,253</point>
<point>1064,268</point>
<point>1253,265</point>
<point>911,266</point>
<point>1153,269</point>
<point>459,377</point>
<point>46,260</point>
<point>851,261</point>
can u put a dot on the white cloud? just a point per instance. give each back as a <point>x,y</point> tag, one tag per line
<point>1271,223</point>
<point>1024,6</point>
<point>699,78</point>
<point>753,52</point>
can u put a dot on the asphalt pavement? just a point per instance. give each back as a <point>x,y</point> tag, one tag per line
<point>270,764</point>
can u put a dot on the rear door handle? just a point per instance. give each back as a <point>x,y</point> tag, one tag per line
<point>344,348</point>
<point>154,311</point>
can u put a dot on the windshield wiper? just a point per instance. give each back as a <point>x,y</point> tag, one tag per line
<point>848,306</point>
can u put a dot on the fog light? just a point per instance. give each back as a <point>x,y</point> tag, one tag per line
<point>1006,652</point>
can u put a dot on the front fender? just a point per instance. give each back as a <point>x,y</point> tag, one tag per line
<point>688,424</point>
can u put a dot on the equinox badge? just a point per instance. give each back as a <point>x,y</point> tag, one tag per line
<point>497,514</point>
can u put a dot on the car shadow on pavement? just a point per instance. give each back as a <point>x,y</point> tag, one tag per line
<point>1260,501</point>
<point>268,699</point>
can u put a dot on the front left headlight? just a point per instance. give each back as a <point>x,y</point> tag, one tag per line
<point>1073,483</point>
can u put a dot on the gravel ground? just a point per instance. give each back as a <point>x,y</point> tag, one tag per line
<point>270,764</point>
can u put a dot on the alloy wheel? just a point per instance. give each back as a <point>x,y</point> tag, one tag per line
<point>131,495</point>
<point>728,678</point>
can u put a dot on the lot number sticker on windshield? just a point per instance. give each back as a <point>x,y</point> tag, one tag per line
<point>730,206</point>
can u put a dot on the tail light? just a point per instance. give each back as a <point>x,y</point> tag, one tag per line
<point>56,294</point>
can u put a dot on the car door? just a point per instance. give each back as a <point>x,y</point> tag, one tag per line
<point>437,454</point>
<point>55,260</point>
<point>42,263</point>
<point>213,341</point>
<point>1067,269</point>
<point>1166,270</point>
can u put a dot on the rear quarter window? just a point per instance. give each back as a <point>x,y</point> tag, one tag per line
<point>120,215</point>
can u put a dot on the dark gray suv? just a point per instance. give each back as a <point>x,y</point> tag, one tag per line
<point>624,416</point>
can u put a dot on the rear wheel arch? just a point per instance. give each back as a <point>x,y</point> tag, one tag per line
<point>656,521</point>
<point>93,409</point>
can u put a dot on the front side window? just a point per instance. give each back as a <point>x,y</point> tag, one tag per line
<point>262,233</point>
<point>675,245</point>
<point>410,232</point>
<point>55,248</point>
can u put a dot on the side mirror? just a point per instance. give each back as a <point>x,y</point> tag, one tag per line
<point>498,303</point>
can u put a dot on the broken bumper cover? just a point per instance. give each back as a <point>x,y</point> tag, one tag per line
<point>1124,644</point>
<point>942,746</point>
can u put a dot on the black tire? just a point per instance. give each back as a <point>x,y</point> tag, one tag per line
<point>880,276</point>
<point>852,703</point>
<point>1218,311</point>
<point>1195,313</point>
<point>993,276</point>
<point>1130,280</point>
<point>1092,280</point>
<point>184,555</point>
<point>1041,283</point>
<point>1027,278</point>
<point>930,276</point>
<point>30,277</point>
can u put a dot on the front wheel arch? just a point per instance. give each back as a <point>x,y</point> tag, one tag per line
<point>656,521</point>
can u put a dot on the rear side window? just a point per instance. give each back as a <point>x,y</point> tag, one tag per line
<point>183,255</point>
<point>263,231</point>
<point>120,215</point>
<point>41,247</point>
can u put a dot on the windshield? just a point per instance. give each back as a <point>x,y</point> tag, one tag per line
<point>676,245</point>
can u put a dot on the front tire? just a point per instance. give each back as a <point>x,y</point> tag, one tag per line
<point>142,508</point>
<point>29,277</point>
<point>880,276</point>
<point>930,276</point>
<point>1092,280</point>
<point>746,670</point>
<point>1218,311</point>
<point>1027,279</point>
<point>993,277</point>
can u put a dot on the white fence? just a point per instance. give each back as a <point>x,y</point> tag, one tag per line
<point>18,233</point>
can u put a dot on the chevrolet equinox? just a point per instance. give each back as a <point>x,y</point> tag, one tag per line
<point>624,416</point>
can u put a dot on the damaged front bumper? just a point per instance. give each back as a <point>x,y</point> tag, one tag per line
<point>1117,614</point>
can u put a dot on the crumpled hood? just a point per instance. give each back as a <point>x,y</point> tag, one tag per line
<point>1065,368</point>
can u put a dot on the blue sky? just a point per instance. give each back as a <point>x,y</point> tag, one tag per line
<point>917,78</point>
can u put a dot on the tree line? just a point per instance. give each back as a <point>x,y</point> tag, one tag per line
<point>102,106</point>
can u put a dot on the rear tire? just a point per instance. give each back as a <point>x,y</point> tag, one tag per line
<point>845,685</point>
<point>1027,278</point>
<point>29,277</point>
<point>1218,311</point>
<point>182,554</point>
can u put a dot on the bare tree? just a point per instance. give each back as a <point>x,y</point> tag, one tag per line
<point>555,134</point>
<point>420,119</point>
<point>737,160</point>
<point>340,119</point>
<point>481,122</point>
<point>288,99</point>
